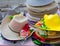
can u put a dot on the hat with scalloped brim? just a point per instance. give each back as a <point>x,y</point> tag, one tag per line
<point>39,2</point>
<point>50,22</point>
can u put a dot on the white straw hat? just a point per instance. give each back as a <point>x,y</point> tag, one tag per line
<point>8,33</point>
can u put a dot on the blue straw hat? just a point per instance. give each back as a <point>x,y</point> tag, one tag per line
<point>39,2</point>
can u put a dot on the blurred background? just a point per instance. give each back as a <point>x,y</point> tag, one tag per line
<point>10,7</point>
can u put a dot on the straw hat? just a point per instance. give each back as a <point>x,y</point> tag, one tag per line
<point>39,11</point>
<point>13,34</point>
<point>48,28</point>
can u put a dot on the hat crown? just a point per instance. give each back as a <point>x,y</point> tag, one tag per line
<point>17,23</point>
<point>39,2</point>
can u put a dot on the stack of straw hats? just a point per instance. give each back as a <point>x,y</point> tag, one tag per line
<point>37,8</point>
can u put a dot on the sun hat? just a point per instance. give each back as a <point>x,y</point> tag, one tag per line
<point>10,34</point>
<point>51,21</point>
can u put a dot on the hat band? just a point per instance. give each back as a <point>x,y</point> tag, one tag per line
<point>13,30</point>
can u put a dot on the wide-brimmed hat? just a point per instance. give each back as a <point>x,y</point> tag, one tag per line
<point>51,22</point>
<point>39,2</point>
<point>7,32</point>
<point>49,25</point>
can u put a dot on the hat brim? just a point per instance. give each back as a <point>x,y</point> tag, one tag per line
<point>48,37</point>
<point>7,33</point>
<point>39,2</point>
<point>56,41</point>
<point>52,41</point>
